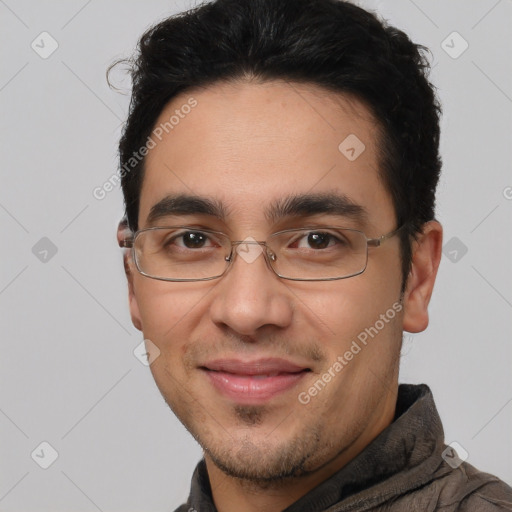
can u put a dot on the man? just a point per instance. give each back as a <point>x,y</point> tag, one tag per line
<point>279,167</point>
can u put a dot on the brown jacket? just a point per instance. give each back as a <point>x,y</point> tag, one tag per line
<point>406,468</point>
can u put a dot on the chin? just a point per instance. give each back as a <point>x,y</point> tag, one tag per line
<point>263,458</point>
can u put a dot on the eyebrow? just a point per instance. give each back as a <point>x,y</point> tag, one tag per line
<point>183,204</point>
<point>306,205</point>
<point>298,205</point>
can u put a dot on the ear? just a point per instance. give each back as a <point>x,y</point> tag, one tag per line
<point>426,257</point>
<point>123,233</point>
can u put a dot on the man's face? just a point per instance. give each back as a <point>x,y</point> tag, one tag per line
<point>249,147</point>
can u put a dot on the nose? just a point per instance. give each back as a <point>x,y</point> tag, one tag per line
<point>250,296</point>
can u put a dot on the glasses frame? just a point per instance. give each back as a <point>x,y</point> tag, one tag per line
<point>129,243</point>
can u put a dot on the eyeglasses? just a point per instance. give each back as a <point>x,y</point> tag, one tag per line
<point>184,253</point>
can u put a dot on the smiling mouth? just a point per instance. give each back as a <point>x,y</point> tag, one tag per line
<point>254,381</point>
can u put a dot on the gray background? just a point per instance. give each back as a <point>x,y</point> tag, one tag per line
<point>68,373</point>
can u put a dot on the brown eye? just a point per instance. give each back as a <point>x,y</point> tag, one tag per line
<point>194,239</point>
<point>319,240</point>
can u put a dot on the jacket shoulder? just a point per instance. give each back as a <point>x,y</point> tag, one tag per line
<point>492,496</point>
<point>467,489</point>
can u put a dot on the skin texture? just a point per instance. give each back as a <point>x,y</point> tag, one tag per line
<point>245,145</point>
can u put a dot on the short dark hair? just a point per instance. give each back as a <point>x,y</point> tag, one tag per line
<point>328,43</point>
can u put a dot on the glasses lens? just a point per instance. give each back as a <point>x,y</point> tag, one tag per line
<point>319,254</point>
<point>187,254</point>
<point>181,254</point>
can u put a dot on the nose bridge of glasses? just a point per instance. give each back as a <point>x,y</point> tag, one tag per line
<point>250,241</point>
<point>250,249</point>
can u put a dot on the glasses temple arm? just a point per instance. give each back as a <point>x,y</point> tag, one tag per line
<point>127,243</point>
<point>376,242</point>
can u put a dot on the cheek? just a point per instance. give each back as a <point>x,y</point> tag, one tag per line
<point>339,312</point>
<point>168,317</point>
<point>339,306</point>
<point>166,309</point>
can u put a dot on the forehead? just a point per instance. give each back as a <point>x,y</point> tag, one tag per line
<point>248,145</point>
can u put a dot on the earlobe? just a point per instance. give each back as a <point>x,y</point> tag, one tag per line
<point>426,258</point>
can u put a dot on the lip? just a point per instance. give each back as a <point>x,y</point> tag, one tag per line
<point>253,381</point>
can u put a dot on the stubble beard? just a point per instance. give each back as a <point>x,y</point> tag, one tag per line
<point>265,464</point>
